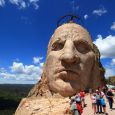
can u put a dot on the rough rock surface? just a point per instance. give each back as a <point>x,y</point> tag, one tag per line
<point>42,106</point>
<point>40,89</point>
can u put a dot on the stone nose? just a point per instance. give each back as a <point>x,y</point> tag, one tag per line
<point>69,53</point>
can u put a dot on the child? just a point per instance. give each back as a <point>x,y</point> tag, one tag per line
<point>93,99</point>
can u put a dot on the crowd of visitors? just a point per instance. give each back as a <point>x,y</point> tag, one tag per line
<point>98,97</point>
<point>98,100</point>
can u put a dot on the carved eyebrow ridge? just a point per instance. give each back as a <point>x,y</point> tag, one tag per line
<point>59,41</point>
<point>62,40</point>
<point>83,41</point>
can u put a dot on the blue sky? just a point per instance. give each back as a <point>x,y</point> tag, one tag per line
<point>27,25</point>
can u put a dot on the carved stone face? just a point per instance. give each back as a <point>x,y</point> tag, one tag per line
<point>70,60</point>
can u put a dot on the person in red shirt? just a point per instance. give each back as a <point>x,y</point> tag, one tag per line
<point>82,96</point>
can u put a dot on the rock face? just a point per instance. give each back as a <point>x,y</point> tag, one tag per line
<point>72,64</point>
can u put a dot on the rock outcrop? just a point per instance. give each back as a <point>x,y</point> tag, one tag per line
<point>72,64</point>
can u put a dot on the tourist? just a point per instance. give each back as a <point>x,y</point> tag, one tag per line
<point>74,108</point>
<point>93,99</point>
<point>103,104</point>
<point>98,102</point>
<point>104,89</point>
<point>82,96</point>
<point>101,92</point>
<point>110,98</point>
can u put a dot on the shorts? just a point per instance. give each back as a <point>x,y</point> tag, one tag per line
<point>103,105</point>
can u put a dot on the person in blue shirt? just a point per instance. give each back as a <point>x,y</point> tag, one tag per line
<point>103,104</point>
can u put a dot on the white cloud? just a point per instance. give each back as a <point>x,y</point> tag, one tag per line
<point>34,3</point>
<point>113,62</point>
<point>20,73</point>
<point>100,11</point>
<point>32,69</point>
<point>20,77</point>
<point>110,68</point>
<point>109,72</point>
<point>2,70</point>
<point>41,64</point>
<point>17,67</point>
<point>2,3</point>
<point>20,68</point>
<point>7,75</point>
<point>20,3</point>
<point>106,46</point>
<point>85,16</point>
<point>113,26</point>
<point>36,60</point>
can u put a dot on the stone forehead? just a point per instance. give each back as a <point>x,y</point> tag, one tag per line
<point>72,31</point>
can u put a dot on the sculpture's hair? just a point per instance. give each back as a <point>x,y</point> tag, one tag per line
<point>97,58</point>
<point>98,71</point>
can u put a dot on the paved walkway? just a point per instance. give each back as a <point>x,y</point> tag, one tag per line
<point>88,110</point>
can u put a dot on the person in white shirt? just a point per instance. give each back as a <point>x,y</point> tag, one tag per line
<point>93,99</point>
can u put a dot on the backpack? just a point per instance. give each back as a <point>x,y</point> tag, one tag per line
<point>102,101</point>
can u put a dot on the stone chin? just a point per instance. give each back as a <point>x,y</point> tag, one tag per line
<point>63,88</point>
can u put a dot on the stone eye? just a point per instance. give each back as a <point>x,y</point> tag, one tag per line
<point>82,47</point>
<point>57,46</point>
